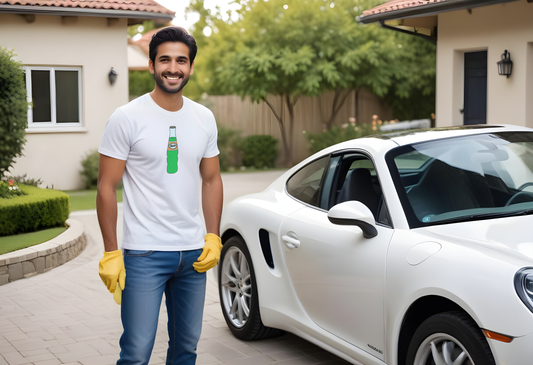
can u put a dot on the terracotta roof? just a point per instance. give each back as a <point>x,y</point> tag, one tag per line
<point>130,5</point>
<point>398,5</point>
<point>144,42</point>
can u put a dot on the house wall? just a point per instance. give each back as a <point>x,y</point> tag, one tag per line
<point>494,28</point>
<point>95,45</point>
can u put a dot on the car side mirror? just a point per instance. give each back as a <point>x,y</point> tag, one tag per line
<point>354,213</point>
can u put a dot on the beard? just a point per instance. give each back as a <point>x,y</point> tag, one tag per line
<point>170,90</point>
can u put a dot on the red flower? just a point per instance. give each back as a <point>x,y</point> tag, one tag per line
<point>11,182</point>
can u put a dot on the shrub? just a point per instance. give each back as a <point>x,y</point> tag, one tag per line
<point>89,172</point>
<point>140,82</point>
<point>13,110</point>
<point>259,151</point>
<point>319,141</point>
<point>39,209</point>
<point>229,144</point>
<point>24,179</point>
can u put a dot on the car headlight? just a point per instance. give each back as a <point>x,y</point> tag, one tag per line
<point>523,283</point>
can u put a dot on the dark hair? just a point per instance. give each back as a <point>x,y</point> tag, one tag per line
<point>173,34</point>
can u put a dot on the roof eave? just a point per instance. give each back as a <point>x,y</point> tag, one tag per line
<point>102,13</point>
<point>427,9</point>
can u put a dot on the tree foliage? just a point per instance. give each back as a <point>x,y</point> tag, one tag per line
<point>13,110</point>
<point>291,48</point>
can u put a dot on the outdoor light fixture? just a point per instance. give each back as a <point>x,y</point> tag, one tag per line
<point>113,75</point>
<point>505,66</point>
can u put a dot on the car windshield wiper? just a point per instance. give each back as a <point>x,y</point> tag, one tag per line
<point>473,217</point>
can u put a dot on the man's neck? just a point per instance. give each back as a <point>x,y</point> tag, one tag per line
<point>170,102</point>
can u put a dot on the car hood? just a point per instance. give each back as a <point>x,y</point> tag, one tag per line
<point>511,235</point>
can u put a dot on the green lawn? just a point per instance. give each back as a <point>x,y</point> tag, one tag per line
<point>86,199</point>
<point>23,240</point>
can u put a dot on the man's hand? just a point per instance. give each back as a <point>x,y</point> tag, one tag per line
<point>111,270</point>
<point>210,254</point>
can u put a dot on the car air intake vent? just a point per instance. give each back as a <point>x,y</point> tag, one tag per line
<point>264,238</point>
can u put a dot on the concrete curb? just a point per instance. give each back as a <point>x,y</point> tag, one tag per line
<point>45,256</point>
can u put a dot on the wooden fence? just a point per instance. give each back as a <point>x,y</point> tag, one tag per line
<point>310,115</point>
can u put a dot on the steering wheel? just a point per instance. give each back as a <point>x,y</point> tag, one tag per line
<point>524,185</point>
<point>520,197</point>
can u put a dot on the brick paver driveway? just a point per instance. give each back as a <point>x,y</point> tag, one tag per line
<point>66,316</point>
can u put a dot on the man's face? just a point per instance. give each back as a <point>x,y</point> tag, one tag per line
<point>172,67</point>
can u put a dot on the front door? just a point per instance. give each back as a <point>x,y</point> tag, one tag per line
<point>475,93</point>
<point>338,275</point>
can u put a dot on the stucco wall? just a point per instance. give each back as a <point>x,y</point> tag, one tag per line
<point>494,28</point>
<point>95,45</point>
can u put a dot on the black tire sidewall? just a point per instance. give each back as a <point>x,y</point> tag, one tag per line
<point>460,327</point>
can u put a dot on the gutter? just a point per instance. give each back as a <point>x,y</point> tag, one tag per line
<point>101,13</point>
<point>423,36</point>
<point>427,10</point>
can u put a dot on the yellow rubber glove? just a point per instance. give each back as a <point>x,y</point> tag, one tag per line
<point>111,270</point>
<point>210,254</point>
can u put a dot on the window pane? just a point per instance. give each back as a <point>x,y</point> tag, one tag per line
<point>67,100</point>
<point>305,184</point>
<point>40,85</point>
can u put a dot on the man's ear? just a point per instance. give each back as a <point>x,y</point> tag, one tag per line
<point>151,67</point>
<point>192,67</point>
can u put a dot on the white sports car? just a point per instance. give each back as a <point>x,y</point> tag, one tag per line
<point>408,248</point>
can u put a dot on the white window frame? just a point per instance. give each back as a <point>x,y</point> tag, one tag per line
<point>52,125</point>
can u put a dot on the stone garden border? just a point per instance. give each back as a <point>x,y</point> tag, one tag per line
<point>44,257</point>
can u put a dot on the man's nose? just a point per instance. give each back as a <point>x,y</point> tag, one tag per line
<point>173,67</point>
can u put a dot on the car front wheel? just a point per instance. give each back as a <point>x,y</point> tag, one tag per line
<point>238,292</point>
<point>450,338</point>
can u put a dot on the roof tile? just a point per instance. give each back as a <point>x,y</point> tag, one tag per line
<point>398,4</point>
<point>133,5</point>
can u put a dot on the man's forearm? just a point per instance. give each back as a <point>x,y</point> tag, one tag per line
<point>106,209</point>
<point>212,197</point>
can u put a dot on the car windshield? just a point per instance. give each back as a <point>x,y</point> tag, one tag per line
<point>465,178</point>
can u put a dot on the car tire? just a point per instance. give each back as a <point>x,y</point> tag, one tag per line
<point>237,290</point>
<point>442,338</point>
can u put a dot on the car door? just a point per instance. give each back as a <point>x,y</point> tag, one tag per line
<point>337,274</point>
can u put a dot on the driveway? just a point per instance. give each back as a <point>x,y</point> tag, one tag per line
<point>66,316</point>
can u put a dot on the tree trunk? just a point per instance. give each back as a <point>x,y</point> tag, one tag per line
<point>338,102</point>
<point>285,130</point>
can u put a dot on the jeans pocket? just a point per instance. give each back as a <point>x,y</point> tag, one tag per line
<point>137,253</point>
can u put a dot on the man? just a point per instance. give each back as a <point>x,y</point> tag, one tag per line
<point>159,145</point>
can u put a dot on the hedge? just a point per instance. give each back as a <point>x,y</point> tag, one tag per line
<point>40,209</point>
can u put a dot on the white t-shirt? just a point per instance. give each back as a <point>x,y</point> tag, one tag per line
<point>161,182</point>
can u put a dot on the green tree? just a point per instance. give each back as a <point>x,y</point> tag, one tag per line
<point>412,93</point>
<point>289,48</point>
<point>13,110</point>
<point>143,28</point>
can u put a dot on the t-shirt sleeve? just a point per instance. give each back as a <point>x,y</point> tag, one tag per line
<point>117,136</point>
<point>212,148</point>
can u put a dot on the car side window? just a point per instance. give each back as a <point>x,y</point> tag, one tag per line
<point>305,185</point>
<point>356,179</point>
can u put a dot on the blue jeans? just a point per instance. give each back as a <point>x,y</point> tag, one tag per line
<point>148,275</point>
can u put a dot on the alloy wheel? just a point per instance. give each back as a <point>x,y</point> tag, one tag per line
<point>236,287</point>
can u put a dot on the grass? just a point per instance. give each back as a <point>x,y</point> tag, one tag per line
<point>86,199</point>
<point>23,240</point>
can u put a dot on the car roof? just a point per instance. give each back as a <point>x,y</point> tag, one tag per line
<point>423,135</point>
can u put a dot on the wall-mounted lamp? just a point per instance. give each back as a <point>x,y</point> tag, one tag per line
<point>112,76</point>
<point>505,66</point>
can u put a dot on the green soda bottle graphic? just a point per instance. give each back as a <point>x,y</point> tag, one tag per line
<point>172,152</point>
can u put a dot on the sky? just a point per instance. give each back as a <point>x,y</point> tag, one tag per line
<point>187,21</point>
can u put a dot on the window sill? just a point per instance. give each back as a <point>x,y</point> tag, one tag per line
<point>43,130</point>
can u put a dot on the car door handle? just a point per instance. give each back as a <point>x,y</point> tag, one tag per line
<point>290,242</point>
